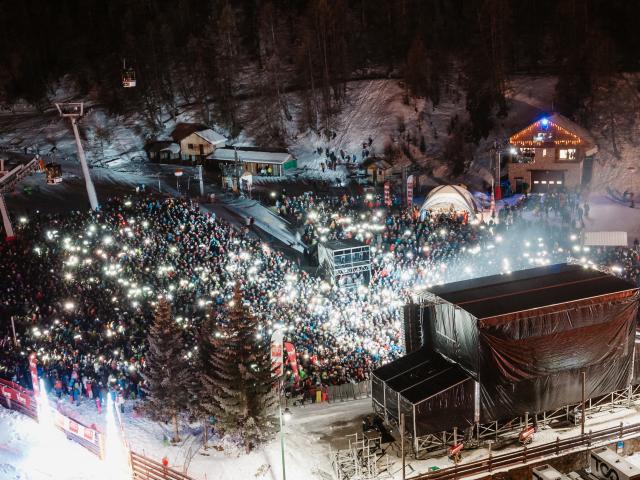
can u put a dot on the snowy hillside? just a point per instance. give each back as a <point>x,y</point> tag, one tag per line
<point>375,109</point>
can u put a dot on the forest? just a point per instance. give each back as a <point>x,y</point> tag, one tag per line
<point>214,54</point>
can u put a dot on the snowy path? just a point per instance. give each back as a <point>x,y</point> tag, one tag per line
<point>265,220</point>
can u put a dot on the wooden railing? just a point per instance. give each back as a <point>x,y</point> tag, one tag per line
<point>524,455</point>
<point>145,468</point>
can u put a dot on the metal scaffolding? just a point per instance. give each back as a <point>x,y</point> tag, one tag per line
<point>477,434</point>
<point>361,460</point>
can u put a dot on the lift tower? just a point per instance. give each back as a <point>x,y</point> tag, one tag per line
<point>73,111</point>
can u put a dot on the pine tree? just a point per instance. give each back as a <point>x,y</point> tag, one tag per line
<point>238,385</point>
<point>166,370</point>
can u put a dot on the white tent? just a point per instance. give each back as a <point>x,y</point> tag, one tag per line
<point>451,197</point>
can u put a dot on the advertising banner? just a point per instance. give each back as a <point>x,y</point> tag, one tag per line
<point>276,353</point>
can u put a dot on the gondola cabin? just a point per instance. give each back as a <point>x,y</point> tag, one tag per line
<point>128,76</point>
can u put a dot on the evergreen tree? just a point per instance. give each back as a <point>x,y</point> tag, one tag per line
<point>238,385</point>
<point>166,370</point>
<point>200,403</point>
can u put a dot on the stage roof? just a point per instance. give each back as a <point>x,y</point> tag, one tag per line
<point>343,244</point>
<point>496,295</point>
<point>420,375</point>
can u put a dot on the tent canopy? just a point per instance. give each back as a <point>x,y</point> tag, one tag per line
<point>447,197</point>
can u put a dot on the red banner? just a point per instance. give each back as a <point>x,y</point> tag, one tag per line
<point>15,396</point>
<point>410,191</point>
<point>293,361</point>
<point>387,194</point>
<point>33,368</point>
<point>68,425</point>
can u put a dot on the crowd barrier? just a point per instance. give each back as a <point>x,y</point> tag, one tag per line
<point>15,397</point>
<point>348,391</point>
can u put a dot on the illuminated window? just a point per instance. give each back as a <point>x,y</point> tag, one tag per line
<point>544,152</point>
<point>536,181</point>
<point>544,182</point>
<point>551,182</point>
<point>568,154</point>
<point>559,182</point>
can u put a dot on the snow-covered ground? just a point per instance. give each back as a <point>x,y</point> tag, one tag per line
<point>29,452</point>
<point>312,433</point>
<point>309,435</point>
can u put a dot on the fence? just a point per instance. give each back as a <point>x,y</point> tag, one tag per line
<point>146,469</point>
<point>348,391</point>
<point>15,397</point>
<point>525,454</point>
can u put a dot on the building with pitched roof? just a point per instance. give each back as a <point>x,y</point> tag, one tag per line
<point>550,154</point>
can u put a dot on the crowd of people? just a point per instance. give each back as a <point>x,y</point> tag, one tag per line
<point>81,288</point>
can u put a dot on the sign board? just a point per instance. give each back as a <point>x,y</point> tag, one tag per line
<point>605,239</point>
<point>76,429</point>
<point>15,395</point>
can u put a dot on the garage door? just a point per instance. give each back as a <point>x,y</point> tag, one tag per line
<point>543,181</point>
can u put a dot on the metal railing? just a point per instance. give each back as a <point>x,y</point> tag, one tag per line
<point>526,454</point>
<point>348,391</point>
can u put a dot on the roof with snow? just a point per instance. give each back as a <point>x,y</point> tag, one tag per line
<point>214,138</point>
<point>555,129</point>
<point>183,130</point>
<point>162,146</point>
<point>251,155</point>
<point>447,197</point>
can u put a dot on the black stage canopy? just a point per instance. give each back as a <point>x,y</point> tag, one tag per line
<point>493,348</point>
<point>496,295</point>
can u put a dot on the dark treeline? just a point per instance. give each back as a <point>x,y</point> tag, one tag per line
<point>214,53</point>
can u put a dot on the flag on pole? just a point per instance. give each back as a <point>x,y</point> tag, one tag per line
<point>387,194</point>
<point>293,361</point>
<point>410,191</point>
<point>276,353</point>
<point>33,368</point>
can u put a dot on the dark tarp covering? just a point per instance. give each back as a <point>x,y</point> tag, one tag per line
<point>433,383</point>
<point>523,340</point>
<point>528,289</point>
<point>533,363</point>
<point>454,406</point>
<point>455,335</point>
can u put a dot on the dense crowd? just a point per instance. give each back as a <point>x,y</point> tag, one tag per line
<point>82,288</point>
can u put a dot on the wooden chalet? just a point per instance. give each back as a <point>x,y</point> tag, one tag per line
<point>550,154</point>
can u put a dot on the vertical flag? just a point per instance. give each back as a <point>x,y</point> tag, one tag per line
<point>34,374</point>
<point>410,191</point>
<point>293,361</point>
<point>387,194</point>
<point>276,353</point>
